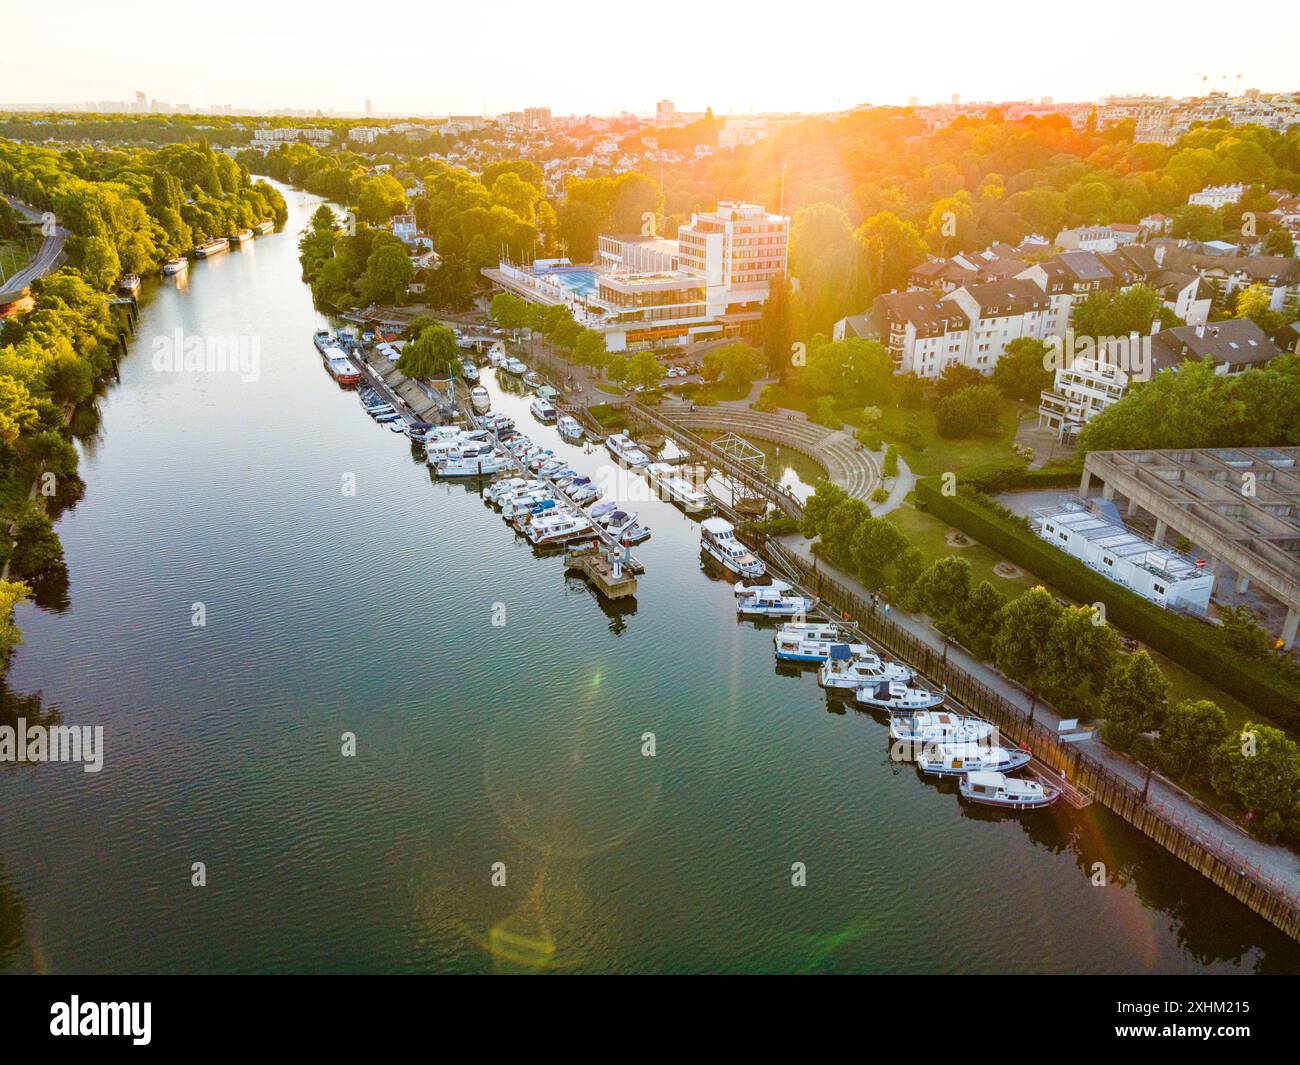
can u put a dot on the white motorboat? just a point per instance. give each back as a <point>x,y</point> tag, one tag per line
<point>533,379</point>
<point>673,486</point>
<point>215,246</point>
<point>519,504</point>
<point>770,603</point>
<point>514,366</point>
<point>471,460</point>
<point>718,539</point>
<point>622,447</point>
<point>177,265</point>
<point>850,670</point>
<point>1012,793</point>
<point>619,522</point>
<point>480,398</point>
<point>930,726</point>
<point>558,527</point>
<point>772,584</point>
<point>602,510</point>
<point>585,493</point>
<point>898,698</point>
<point>499,423</point>
<point>497,492</point>
<point>570,428</point>
<point>793,645</point>
<point>543,410</point>
<point>497,356</point>
<point>469,371</point>
<point>957,759</point>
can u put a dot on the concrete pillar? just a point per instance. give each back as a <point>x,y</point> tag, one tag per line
<point>1225,582</point>
<point>1289,628</point>
<point>1107,491</point>
<point>1161,529</point>
<point>1132,508</point>
<point>1243,584</point>
<point>1085,482</point>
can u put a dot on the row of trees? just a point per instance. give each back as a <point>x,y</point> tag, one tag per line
<point>1072,657</point>
<point>126,211</point>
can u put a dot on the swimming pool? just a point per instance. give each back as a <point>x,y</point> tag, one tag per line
<point>579,282</point>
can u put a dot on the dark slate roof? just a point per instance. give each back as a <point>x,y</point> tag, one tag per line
<point>1235,341</point>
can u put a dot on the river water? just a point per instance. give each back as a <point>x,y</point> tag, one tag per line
<point>500,714</point>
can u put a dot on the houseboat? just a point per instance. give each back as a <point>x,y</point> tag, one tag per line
<point>673,486</point>
<point>177,265</point>
<point>774,603</point>
<point>718,541</point>
<point>514,366</point>
<point>1012,793</point>
<point>621,446</point>
<point>241,237</point>
<point>264,227</point>
<point>557,526</point>
<point>480,398</point>
<point>128,284</point>
<point>957,759</point>
<point>213,247</point>
<point>469,371</point>
<point>570,428</point>
<point>849,670</point>
<point>543,410</point>
<point>812,643</point>
<point>937,726</point>
<point>469,459</point>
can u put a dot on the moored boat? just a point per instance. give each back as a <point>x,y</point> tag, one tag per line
<point>129,284</point>
<point>213,247</point>
<point>930,726</point>
<point>718,540</point>
<point>469,371</point>
<point>956,759</point>
<point>569,427</point>
<point>177,265</point>
<point>557,526</point>
<point>1012,793</point>
<point>480,398</point>
<point>673,486</point>
<point>241,237</point>
<point>850,670</point>
<point>264,227</point>
<point>514,366</point>
<point>622,447</point>
<point>773,603</point>
<point>796,645</point>
<point>543,410</point>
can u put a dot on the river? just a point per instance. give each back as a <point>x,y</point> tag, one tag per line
<point>500,715</point>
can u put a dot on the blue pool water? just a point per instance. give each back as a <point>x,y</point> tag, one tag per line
<point>579,282</point>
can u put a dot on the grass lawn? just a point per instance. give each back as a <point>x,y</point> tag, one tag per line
<point>721,392</point>
<point>928,535</point>
<point>932,453</point>
<point>14,255</point>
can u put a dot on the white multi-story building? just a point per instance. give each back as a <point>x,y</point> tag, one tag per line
<point>710,282</point>
<point>366,134</point>
<point>292,133</point>
<point>1217,196</point>
<point>1079,392</point>
<point>1102,542</point>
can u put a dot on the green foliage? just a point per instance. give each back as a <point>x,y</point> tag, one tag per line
<point>943,587</point>
<point>736,364</point>
<point>432,354</point>
<point>890,465</point>
<point>1023,626</point>
<point>1260,770</point>
<point>37,551</point>
<point>970,411</point>
<point>824,413</point>
<point>1191,732</point>
<point>1192,644</point>
<point>1021,373</point>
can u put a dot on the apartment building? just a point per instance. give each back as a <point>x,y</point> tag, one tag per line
<point>1216,196</point>
<point>1079,392</point>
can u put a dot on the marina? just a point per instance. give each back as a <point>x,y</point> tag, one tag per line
<point>526,752</point>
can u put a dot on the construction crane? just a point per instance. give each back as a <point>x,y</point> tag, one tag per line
<point>1236,87</point>
<point>1204,78</point>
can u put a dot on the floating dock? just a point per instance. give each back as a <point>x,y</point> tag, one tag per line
<point>603,568</point>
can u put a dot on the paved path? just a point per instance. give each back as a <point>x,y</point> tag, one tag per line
<point>1276,862</point>
<point>47,259</point>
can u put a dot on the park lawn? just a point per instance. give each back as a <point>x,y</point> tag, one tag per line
<point>937,454</point>
<point>718,392</point>
<point>928,535</point>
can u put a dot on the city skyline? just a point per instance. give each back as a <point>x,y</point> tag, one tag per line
<point>459,62</point>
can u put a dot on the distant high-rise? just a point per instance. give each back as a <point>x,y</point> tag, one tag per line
<point>370,109</point>
<point>956,99</point>
<point>664,110</point>
<point>537,118</point>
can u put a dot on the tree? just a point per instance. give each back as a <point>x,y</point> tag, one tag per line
<point>977,617</point>
<point>777,326</point>
<point>1260,769</point>
<point>824,413</point>
<point>889,467</point>
<point>37,551</point>
<point>943,587</point>
<point>841,527</point>
<point>644,370</point>
<point>1242,634</point>
<point>1279,242</point>
<point>1021,373</point>
<point>388,273</point>
<point>825,498</point>
<point>737,364</point>
<point>1117,314</point>
<point>1133,699</point>
<point>969,411</point>
<point>1191,731</point>
<point>1255,303</point>
<point>1022,628</point>
<point>432,354</point>
<point>877,542</point>
<point>11,594</point>
<point>890,248</point>
<point>1077,648</point>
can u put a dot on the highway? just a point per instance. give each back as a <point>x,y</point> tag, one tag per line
<point>48,258</point>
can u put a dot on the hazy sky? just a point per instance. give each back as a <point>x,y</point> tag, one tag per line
<point>800,55</point>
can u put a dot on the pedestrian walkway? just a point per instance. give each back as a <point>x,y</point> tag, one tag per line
<point>1276,862</point>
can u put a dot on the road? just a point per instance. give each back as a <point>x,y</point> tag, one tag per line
<point>48,258</point>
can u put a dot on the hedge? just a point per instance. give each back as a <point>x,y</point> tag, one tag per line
<point>1188,642</point>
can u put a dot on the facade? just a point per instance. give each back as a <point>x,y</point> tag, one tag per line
<point>1079,392</point>
<point>1216,196</point>
<point>711,282</point>
<point>1101,541</point>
